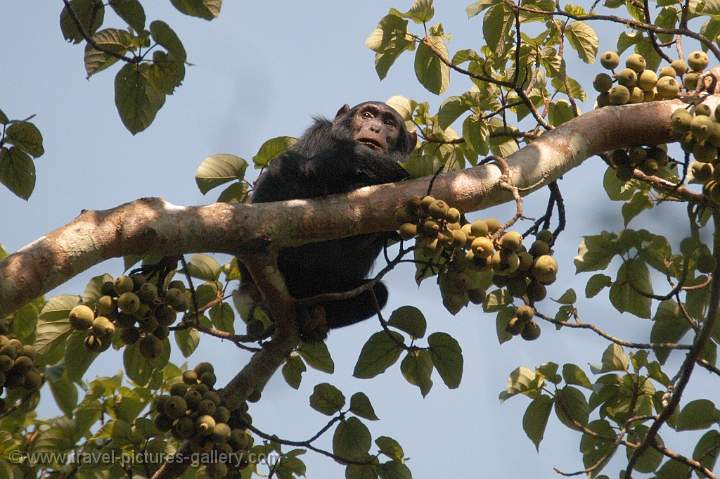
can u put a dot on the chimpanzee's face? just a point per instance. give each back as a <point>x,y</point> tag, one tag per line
<point>377,127</point>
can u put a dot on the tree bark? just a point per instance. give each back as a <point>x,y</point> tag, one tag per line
<point>154,226</point>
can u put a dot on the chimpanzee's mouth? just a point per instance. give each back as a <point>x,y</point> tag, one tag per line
<point>370,143</point>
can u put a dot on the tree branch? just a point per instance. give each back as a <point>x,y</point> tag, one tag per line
<point>154,226</point>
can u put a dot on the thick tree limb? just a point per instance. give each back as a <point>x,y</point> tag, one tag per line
<point>154,226</point>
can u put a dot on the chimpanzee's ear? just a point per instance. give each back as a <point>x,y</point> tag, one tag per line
<point>343,109</point>
<point>411,141</point>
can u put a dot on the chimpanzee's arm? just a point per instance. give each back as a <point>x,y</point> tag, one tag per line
<point>294,176</point>
<point>346,169</point>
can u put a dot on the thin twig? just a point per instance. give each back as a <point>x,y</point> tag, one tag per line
<point>618,341</point>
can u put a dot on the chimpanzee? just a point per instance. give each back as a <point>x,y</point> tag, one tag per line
<point>362,146</point>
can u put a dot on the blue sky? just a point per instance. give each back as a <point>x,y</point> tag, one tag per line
<point>261,70</point>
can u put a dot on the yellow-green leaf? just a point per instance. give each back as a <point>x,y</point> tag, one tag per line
<point>583,39</point>
<point>218,169</point>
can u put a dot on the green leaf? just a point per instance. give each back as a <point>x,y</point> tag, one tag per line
<point>613,359</point>
<point>477,7</point>
<point>536,418</point>
<point>388,40</point>
<point>25,322</point>
<point>573,374</point>
<point>167,38</point>
<point>131,11</point>
<point>390,447</point>
<point>132,403</point>
<point>109,39</point>
<point>357,471</point>
<point>450,110</point>
<point>421,11</point>
<point>496,26</point>
<point>595,252</point>
<point>393,470</point>
<point>360,406</point>
<point>121,433</point>
<point>572,408</point>
<point>454,298</point>
<point>429,70</point>
<point>351,440</point>
<point>205,9</point>
<point>58,307</point>
<point>235,193</point>
<point>187,340</point>
<point>645,48</point>
<point>650,459</point>
<point>549,371</point>
<point>166,72</point>
<point>327,399</point>
<point>583,39</point>
<point>292,370</point>
<point>139,368</point>
<point>501,322</point>
<point>53,328</point>
<point>639,202</point>
<point>669,326</point>
<point>698,414</point>
<point>707,449</point>
<point>90,13</point>
<point>627,298</point>
<point>271,149</point>
<point>86,414</point>
<point>379,353</point>
<point>597,283</point>
<point>564,313</point>
<point>497,300</point>
<point>447,357</point>
<point>4,120</point>
<point>205,293</point>
<point>204,267</point>
<point>17,172</point>
<point>673,470</point>
<point>596,450</point>
<point>8,471</point>
<point>65,394</point>
<point>218,169</point>
<point>403,105</point>
<point>77,358</point>
<point>709,352</point>
<point>560,111</point>
<point>574,88</point>
<point>616,189</point>
<point>410,320</point>
<point>656,251</point>
<point>136,97</point>
<point>93,288</point>
<point>59,436</point>
<point>317,356</point>
<point>25,136</point>
<point>521,381</point>
<point>223,317</point>
<point>568,297</point>
<point>290,466</point>
<point>417,368</point>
